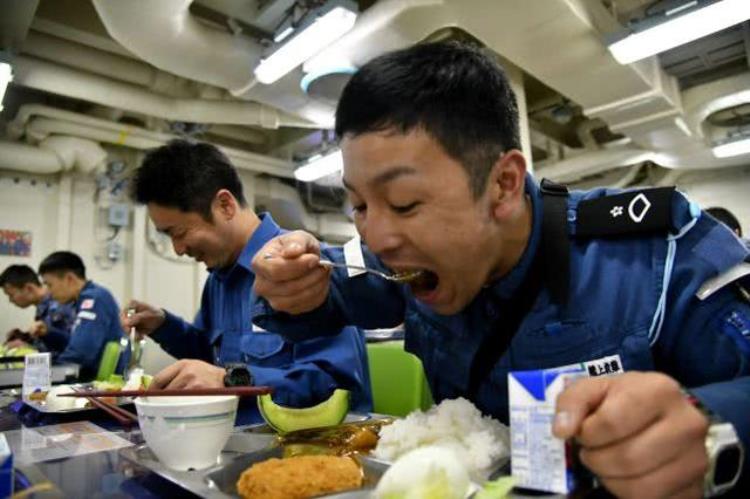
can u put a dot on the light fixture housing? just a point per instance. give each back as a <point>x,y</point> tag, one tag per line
<point>734,146</point>
<point>6,76</point>
<point>320,166</point>
<point>692,20</point>
<point>320,28</point>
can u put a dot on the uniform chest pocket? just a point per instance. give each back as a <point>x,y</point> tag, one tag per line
<point>262,347</point>
<point>557,344</point>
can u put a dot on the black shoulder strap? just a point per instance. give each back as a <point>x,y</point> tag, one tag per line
<point>551,264</point>
<point>555,245</point>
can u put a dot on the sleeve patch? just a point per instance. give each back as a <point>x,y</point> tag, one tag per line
<point>736,325</point>
<point>85,314</point>
<point>87,303</point>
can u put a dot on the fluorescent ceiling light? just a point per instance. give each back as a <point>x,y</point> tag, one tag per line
<point>6,75</point>
<point>307,42</point>
<point>320,166</point>
<point>734,148</point>
<point>681,29</point>
<point>282,34</point>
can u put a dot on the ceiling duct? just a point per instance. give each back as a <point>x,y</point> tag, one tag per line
<point>165,34</point>
<point>41,75</point>
<point>639,100</point>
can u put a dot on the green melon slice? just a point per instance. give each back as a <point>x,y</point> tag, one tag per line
<point>286,419</point>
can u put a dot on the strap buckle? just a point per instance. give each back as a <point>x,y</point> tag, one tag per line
<point>552,188</point>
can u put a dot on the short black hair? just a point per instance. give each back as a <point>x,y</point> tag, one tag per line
<point>18,276</point>
<point>63,261</point>
<point>185,175</point>
<point>455,91</point>
<point>726,217</point>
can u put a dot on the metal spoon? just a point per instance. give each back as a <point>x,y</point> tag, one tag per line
<point>407,276</point>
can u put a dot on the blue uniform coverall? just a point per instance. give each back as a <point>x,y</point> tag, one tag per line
<point>97,323</point>
<point>632,296</point>
<point>303,374</point>
<point>59,320</point>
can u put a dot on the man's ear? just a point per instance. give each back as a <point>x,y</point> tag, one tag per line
<point>506,184</point>
<point>225,204</point>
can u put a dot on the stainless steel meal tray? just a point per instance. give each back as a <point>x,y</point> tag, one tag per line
<point>225,478</point>
<point>243,449</point>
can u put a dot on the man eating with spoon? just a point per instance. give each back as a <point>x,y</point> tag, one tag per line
<point>515,275</point>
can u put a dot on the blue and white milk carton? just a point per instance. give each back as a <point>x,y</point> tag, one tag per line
<point>539,460</point>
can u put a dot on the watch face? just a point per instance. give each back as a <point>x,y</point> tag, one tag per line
<point>238,376</point>
<point>727,464</point>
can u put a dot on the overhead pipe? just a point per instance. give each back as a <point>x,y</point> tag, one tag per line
<point>594,162</point>
<point>37,122</point>
<point>54,154</point>
<point>21,157</point>
<point>75,55</point>
<point>57,79</point>
<point>142,140</point>
<point>75,152</point>
<point>240,134</point>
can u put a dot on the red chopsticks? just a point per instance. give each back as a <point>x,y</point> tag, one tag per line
<point>125,418</point>
<point>240,391</point>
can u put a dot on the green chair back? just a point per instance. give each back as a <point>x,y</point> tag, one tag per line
<point>108,362</point>
<point>397,379</point>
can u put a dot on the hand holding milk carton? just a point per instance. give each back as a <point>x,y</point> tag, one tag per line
<point>539,460</point>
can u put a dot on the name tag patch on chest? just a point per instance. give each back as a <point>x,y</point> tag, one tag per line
<point>87,304</point>
<point>604,366</point>
<point>88,315</point>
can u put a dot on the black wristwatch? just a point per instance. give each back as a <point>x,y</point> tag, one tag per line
<point>726,454</point>
<point>237,375</point>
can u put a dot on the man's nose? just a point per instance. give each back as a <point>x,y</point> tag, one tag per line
<point>381,234</point>
<point>179,247</point>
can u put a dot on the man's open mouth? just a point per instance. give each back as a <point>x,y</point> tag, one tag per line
<point>419,280</point>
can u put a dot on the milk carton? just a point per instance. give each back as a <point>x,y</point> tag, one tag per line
<point>539,460</point>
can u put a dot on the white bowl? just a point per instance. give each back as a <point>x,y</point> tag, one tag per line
<point>187,432</point>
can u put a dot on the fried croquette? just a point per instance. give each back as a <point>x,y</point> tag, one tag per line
<point>299,477</point>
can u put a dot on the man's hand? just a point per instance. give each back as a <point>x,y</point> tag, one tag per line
<point>288,275</point>
<point>638,434</point>
<point>146,319</point>
<point>189,373</point>
<point>38,329</point>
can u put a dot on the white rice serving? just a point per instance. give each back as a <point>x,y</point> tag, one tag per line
<point>478,441</point>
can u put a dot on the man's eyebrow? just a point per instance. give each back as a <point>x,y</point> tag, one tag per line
<point>386,176</point>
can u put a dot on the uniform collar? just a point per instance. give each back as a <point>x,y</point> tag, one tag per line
<point>45,303</point>
<point>89,285</point>
<point>267,230</point>
<point>505,287</point>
